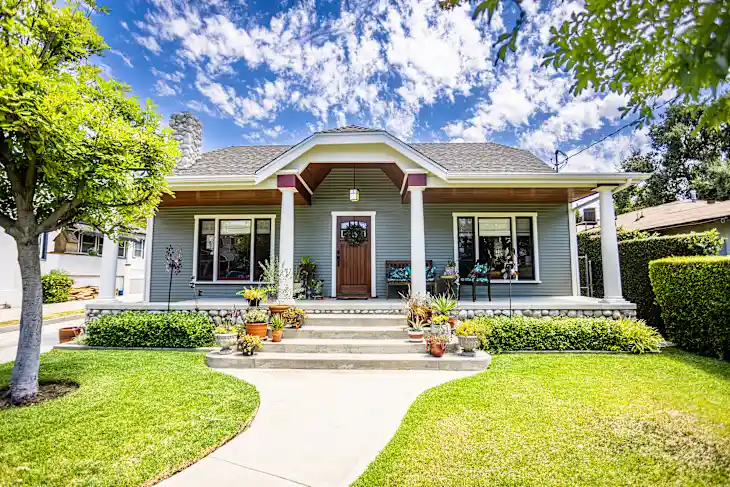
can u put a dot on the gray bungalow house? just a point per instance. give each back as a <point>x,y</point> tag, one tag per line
<point>415,205</point>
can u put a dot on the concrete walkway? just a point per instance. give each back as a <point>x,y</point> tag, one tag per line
<point>316,428</point>
<point>49,338</point>
<point>48,309</point>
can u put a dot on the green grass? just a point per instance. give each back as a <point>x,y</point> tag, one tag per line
<point>137,416</point>
<point>578,420</point>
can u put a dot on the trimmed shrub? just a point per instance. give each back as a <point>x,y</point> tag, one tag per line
<point>56,286</point>
<point>694,295</point>
<point>143,329</point>
<point>503,333</point>
<point>636,252</point>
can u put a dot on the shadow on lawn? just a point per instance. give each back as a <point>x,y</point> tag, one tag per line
<point>710,365</point>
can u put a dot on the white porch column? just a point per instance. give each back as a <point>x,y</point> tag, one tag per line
<point>609,248</point>
<point>108,276</point>
<point>418,242</point>
<point>286,245</point>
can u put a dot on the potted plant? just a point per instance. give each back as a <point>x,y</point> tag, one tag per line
<point>276,278</point>
<point>415,330</point>
<point>294,317</point>
<point>440,325</point>
<point>68,333</point>
<point>444,304</point>
<point>254,295</point>
<point>437,344</point>
<point>249,343</point>
<point>450,269</point>
<point>277,328</point>
<point>468,340</point>
<point>417,307</point>
<point>225,337</point>
<point>257,321</point>
<point>318,289</point>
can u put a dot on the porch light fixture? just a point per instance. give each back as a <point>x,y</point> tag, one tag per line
<point>354,192</point>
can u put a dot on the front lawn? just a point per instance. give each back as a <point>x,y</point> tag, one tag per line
<point>136,417</point>
<point>557,420</point>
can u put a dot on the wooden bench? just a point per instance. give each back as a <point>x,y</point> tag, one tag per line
<point>400,264</point>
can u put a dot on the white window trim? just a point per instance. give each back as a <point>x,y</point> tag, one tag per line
<point>97,244</point>
<point>513,236</point>
<point>217,219</point>
<point>373,265</point>
<point>134,248</point>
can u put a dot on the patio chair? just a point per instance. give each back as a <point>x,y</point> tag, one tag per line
<point>398,273</point>
<point>479,276</point>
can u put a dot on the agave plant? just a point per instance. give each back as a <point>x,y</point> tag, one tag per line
<point>443,303</point>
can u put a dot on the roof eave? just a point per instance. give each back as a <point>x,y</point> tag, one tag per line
<point>619,180</point>
<point>211,182</point>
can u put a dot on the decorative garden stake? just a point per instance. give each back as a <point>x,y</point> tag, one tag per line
<point>173,264</point>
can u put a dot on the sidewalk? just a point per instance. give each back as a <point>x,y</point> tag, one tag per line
<point>14,313</point>
<point>49,338</point>
<point>318,428</point>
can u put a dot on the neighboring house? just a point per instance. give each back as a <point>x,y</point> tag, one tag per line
<point>77,251</point>
<point>238,206</point>
<point>681,217</point>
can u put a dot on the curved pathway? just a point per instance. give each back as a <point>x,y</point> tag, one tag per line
<point>318,428</point>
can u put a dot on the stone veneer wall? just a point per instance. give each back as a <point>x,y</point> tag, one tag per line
<point>217,312</point>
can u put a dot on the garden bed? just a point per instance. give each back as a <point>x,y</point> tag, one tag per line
<point>137,417</point>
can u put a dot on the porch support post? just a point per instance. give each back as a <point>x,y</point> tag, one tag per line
<point>286,246</point>
<point>609,248</point>
<point>108,277</point>
<point>418,242</point>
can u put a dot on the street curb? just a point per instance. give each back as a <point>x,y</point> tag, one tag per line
<point>52,321</point>
<point>74,346</point>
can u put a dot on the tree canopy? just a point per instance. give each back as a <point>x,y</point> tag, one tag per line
<point>685,156</point>
<point>644,49</point>
<point>73,145</point>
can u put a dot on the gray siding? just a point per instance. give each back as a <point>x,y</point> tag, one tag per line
<point>313,235</point>
<point>176,227</point>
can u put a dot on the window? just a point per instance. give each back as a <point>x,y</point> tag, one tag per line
<point>138,249</point>
<point>43,242</point>
<point>91,244</point>
<point>490,238</point>
<point>122,250</point>
<point>231,248</point>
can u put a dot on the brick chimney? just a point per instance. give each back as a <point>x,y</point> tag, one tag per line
<point>188,131</point>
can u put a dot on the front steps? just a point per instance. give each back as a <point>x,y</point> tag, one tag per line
<point>346,341</point>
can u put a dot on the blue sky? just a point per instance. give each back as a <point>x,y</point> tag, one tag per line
<point>272,72</point>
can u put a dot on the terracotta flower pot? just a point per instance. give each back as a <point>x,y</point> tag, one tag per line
<point>257,329</point>
<point>276,335</point>
<point>68,333</point>
<point>415,335</point>
<point>278,308</point>
<point>452,322</point>
<point>438,349</point>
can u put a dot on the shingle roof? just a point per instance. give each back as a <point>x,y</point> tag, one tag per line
<point>454,157</point>
<point>674,214</point>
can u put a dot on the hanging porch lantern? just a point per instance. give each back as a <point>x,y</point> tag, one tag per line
<point>354,192</point>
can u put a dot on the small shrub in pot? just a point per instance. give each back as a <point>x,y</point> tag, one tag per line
<point>256,322</point>
<point>437,344</point>
<point>468,340</point>
<point>277,328</point>
<point>415,330</point>
<point>248,344</point>
<point>225,337</point>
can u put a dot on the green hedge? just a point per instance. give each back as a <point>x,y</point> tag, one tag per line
<point>503,333</point>
<point>636,250</point>
<point>694,295</point>
<point>143,329</point>
<point>56,286</point>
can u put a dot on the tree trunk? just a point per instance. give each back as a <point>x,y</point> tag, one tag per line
<point>24,381</point>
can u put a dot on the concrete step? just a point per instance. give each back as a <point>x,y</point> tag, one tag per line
<point>343,345</point>
<point>364,361</point>
<point>355,320</point>
<point>346,331</point>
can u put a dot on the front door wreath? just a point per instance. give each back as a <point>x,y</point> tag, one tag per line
<point>354,234</point>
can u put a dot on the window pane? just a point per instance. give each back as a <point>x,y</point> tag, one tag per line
<point>139,248</point>
<point>465,240</point>
<point>234,249</point>
<point>495,242</point>
<point>206,245</point>
<point>525,248</point>
<point>262,247</point>
<point>122,250</point>
<point>88,242</point>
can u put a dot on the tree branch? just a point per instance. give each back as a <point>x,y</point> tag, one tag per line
<point>62,213</point>
<point>8,225</point>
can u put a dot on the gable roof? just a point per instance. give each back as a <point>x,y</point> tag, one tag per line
<point>485,157</point>
<point>674,214</point>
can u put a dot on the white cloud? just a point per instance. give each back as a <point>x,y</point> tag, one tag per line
<point>201,107</point>
<point>162,88</point>
<point>149,42</point>
<point>124,25</point>
<point>175,77</point>
<point>124,57</point>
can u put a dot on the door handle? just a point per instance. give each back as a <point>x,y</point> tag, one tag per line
<point>338,258</point>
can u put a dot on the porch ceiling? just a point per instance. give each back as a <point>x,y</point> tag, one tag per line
<point>315,173</point>
<point>504,195</point>
<point>228,197</point>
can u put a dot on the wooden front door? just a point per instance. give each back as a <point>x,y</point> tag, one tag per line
<point>353,261</point>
